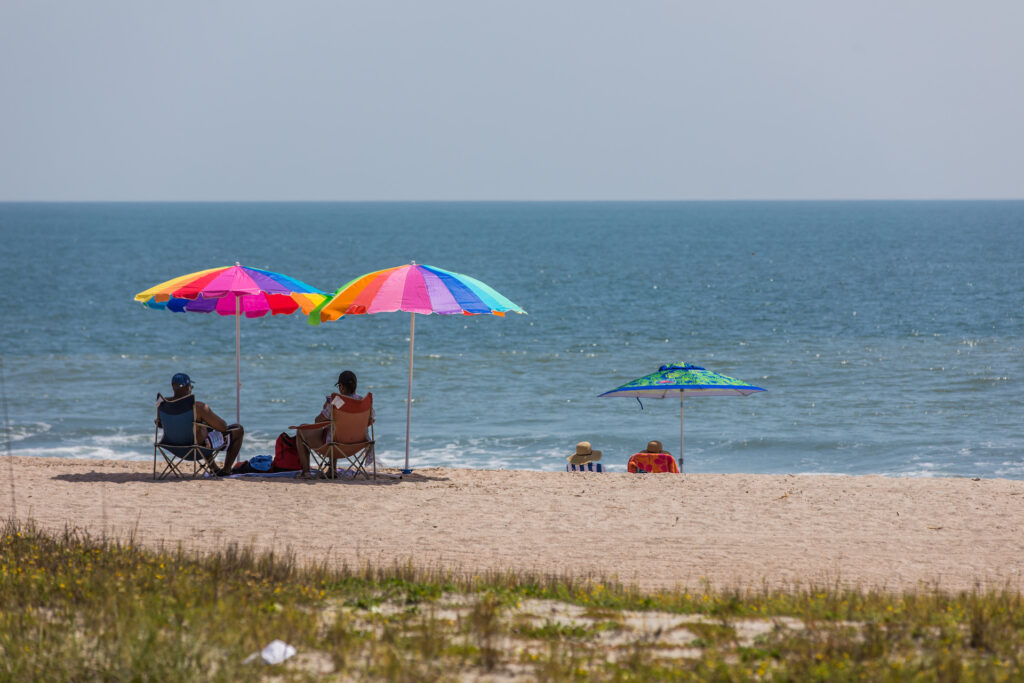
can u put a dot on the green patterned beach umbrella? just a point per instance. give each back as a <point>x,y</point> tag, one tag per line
<point>686,380</point>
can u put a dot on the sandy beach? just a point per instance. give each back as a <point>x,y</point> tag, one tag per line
<point>731,530</point>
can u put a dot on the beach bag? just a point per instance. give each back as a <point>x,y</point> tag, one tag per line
<point>261,463</point>
<point>256,464</point>
<point>286,455</point>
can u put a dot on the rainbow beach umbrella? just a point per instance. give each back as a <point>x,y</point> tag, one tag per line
<point>686,380</point>
<point>415,289</point>
<point>233,290</point>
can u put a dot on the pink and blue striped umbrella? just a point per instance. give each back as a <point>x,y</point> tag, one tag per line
<point>414,289</point>
<point>233,290</point>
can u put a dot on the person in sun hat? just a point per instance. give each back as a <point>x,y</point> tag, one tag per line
<point>585,459</point>
<point>652,460</point>
<point>213,430</point>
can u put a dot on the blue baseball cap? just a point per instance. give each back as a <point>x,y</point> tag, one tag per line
<point>181,380</point>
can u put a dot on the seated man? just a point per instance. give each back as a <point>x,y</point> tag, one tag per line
<point>214,431</point>
<point>585,459</point>
<point>654,460</point>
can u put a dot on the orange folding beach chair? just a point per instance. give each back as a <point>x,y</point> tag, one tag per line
<point>350,436</point>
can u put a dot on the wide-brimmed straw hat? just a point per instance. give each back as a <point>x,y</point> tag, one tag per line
<point>584,454</point>
<point>654,447</point>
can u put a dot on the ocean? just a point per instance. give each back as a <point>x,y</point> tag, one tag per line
<point>888,335</point>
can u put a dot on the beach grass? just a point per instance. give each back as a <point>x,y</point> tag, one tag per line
<point>74,606</point>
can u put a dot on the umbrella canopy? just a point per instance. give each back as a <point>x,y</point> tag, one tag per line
<point>414,289</point>
<point>686,380</point>
<point>233,290</point>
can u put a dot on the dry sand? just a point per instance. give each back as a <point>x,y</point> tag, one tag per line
<point>656,531</point>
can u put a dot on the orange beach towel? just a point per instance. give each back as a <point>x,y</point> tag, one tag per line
<point>653,463</point>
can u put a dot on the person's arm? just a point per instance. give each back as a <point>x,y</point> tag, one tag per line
<point>325,413</point>
<point>210,418</point>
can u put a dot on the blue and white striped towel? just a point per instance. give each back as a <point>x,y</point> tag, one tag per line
<point>586,467</point>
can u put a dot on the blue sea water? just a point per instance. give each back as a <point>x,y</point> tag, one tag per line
<point>888,334</point>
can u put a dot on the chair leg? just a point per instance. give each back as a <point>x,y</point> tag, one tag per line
<point>171,466</point>
<point>358,464</point>
<point>356,461</point>
<point>178,466</point>
<point>320,460</point>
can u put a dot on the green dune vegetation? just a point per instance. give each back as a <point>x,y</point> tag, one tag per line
<point>73,606</point>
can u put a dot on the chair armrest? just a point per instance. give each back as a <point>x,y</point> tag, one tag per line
<point>314,425</point>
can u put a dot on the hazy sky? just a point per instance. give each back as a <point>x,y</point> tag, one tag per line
<point>560,99</point>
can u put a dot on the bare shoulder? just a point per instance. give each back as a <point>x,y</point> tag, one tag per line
<point>203,409</point>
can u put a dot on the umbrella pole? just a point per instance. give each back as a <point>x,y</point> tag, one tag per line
<point>408,401</point>
<point>238,372</point>
<point>682,393</point>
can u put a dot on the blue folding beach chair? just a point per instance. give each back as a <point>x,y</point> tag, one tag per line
<point>179,446</point>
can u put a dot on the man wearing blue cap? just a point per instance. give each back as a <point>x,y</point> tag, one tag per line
<point>213,431</point>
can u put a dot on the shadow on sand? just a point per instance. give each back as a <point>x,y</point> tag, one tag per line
<point>385,479</point>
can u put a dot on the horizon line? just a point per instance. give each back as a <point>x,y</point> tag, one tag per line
<point>506,201</point>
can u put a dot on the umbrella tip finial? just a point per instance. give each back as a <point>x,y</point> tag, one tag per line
<point>237,263</point>
<point>412,263</point>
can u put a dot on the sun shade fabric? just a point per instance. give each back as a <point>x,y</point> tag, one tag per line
<point>414,289</point>
<point>258,292</point>
<point>671,379</point>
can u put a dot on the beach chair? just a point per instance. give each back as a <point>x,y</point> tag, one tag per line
<point>652,463</point>
<point>349,437</point>
<point>179,446</point>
